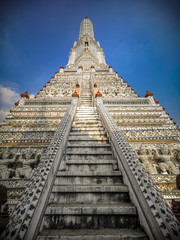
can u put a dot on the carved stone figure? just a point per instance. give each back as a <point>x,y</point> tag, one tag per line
<point>166,166</point>
<point>4,213</point>
<point>4,170</point>
<point>24,169</point>
<point>144,156</point>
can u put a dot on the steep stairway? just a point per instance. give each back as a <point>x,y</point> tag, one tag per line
<point>89,200</point>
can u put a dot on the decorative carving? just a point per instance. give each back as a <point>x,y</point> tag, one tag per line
<point>145,156</point>
<point>4,170</point>
<point>24,169</point>
<point>4,213</point>
<point>166,166</point>
<point>157,205</point>
<point>19,221</point>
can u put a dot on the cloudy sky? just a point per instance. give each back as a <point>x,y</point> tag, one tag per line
<point>140,39</point>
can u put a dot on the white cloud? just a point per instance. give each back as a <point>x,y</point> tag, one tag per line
<point>8,96</point>
<point>3,114</point>
<point>7,99</point>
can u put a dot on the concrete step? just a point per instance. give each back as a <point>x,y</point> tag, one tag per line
<point>90,162</point>
<point>90,122</point>
<point>86,141</point>
<point>91,165</point>
<point>86,125</point>
<point>84,149</point>
<point>86,99</point>
<point>85,136</point>
<point>86,112</point>
<point>86,96</point>
<point>89,197</point>
<point>77,180</point>
<point>89,115</point>
<point>88,155</point>
<point>92,234</point>
<point>93,112</point>
<point>92,216</point>
<point>88,128</point>
<point>88,132</point>
<point>86,108</point>
<point>86,104</point>
<point>91,209</point>
<point>90,188</point>
<point>89,174</point>
<point>86,118</point>
<point>90,144</point>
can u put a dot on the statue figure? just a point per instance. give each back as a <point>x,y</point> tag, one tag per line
<point>24,169</point>
<point>166,164</point>
<point>4,170</point>
<point>144,156</point>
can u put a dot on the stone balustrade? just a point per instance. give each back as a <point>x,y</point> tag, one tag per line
<point>29,211</point>
<point>155,215</point>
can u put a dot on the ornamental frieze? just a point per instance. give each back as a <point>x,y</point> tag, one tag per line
<point>26,135</point>
<point>39,109</point>
<point>150,135</point>
<point>38,114</point>
<point>134,108</point>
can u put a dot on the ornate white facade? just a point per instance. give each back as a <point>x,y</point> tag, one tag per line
<point>29,128</point>
<point>86,51</point>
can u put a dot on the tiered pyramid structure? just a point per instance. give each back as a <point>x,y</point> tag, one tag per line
<point>82,158</point>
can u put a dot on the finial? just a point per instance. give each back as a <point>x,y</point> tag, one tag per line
<point>16,103</point>
<point>148,94</point>
<point>25,94</point>
<point>98,94</point>
<point>75,94</point>
<point>86,17</point>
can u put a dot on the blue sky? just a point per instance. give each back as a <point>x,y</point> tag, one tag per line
<point>140,39</point>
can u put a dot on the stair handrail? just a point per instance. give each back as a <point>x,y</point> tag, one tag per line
<point>28,213</point>
<point>92,86</point>
<point>155,215</point>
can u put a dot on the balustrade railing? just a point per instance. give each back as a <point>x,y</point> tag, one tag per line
<point>92,87</point>
<point>155,215</point>
<point>28,213</point>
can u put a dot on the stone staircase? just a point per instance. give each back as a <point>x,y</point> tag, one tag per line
<point>89,200</point>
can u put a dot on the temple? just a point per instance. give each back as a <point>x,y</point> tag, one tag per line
<point>88,158</point>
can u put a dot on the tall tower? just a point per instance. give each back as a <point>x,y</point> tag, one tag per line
<point>86,51</point>
<point>86,153</point>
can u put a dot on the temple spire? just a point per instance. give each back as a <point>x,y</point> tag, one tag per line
<point>86,28</point>
<point>86,52</point>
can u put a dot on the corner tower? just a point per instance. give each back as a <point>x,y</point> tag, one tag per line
<point>86,52</point>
